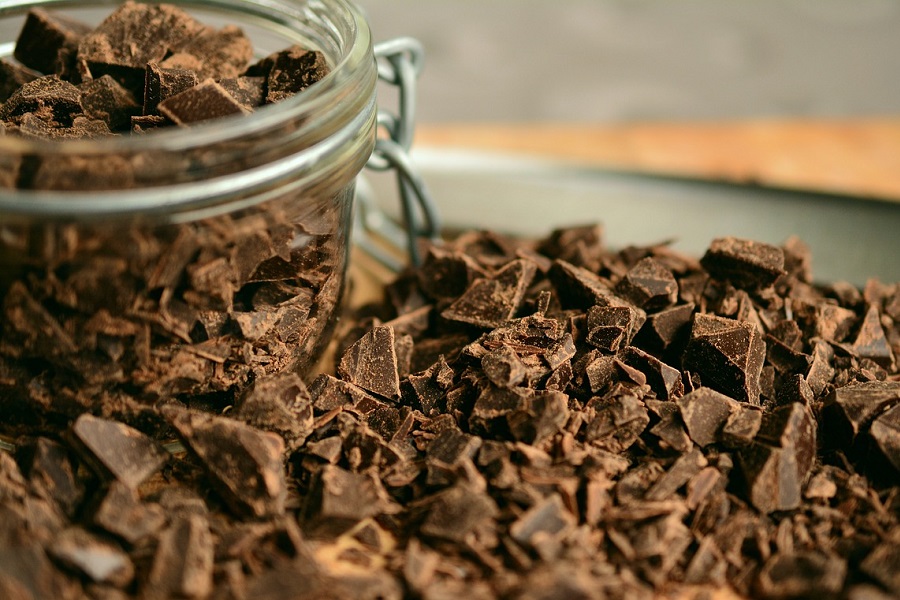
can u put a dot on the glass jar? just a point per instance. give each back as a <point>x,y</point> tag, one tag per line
<point>184,263</point>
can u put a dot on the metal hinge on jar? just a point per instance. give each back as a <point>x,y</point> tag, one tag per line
<point>399,64</point>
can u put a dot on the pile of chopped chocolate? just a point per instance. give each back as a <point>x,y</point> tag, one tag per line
<point>145,66</point>
<point>518,419</point>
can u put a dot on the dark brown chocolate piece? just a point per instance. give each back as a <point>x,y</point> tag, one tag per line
<point>747,264</point>
<point>885,431</point>
<point>871,342</point>
<point>457,511</point>
<point>103,98</point>
<point>280,404</point>
<point>220,54</point>
<point>47,41</point>
<point>118,451</point>
<point>728,355</point>
<point>610,328</point>
<point>12,77</point>
<point>183,563</point>
<point>243,462</point>
<point>649,285</point>
<point>705,413</point>
<point>249,92</point>
<point>289,72</point>
<point>849,410</point>
<point>490,302</point>
<point>340,499</point>
<point>666,328</point>
<point>371,363</point>
<point>49,99</point>
<point>131,37</point>
<point>123,514</point>
<point>205,101</point>
<point>161,84</point>
<point>665,381</point>
<point>99,560</point>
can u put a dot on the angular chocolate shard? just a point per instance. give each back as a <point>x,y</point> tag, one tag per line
<point>728,355</point>
<point>679,474</point>
<point>821,371</point>
<point>543,417</point>
<point>747,264</point>
<point>104,99</point>
<point>446,275</point>
<point>100,560</point>
<point>248,91</point>
<point>49,99</point>
<point>849,410</point>
<point>371,363</point>
<point>12,77</point>
<point>183,562</point>
<point>665,381</point>
<point>670,429</point>
<point>617,422</point>
<point>161,84</point>
<point>52,469</point>
<point>489,303</point>
<point>802,575</point>
<point>885,431</point>
<point>145,123</point>
<point>116,450</point>
<point>341,498</point>
<point>871,342</point>
<point>503,366</point>
<point>705,413</point>
<point>281,404</point>
<point>205,101</point>
<point>290,71</point>
<point>122,514</point>
<point>741,427</point>
<point>329,393</point>
<point>243,462</point>
<point>220,54</point>
<point>456,512</point>
<point>612,327</point>
<point>666,328</point>
<point>580,288</point>
<point>649,285</point>
<point>47,38</point>
<point>446,452</point>
<point>832,322</point>
<point>132,36</point>
<point>777,465</point>
<point>543,525</point>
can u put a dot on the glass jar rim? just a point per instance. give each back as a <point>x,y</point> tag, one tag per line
<point>355,62</point>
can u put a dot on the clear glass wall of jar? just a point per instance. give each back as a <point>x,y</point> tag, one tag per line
<point>183,264</point>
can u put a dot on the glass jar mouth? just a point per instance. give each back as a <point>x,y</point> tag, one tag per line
<point>335,27</point>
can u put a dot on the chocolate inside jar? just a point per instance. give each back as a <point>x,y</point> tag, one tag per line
<point>112,316</point>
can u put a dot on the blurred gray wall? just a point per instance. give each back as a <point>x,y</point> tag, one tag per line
<point>625,60</point>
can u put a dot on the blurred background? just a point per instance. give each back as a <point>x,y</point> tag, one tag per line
<point>647,60</point>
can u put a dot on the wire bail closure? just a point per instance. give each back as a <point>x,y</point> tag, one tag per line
<point>399,63</point>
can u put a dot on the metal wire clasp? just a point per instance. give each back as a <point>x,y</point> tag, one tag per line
<point>399,63</point>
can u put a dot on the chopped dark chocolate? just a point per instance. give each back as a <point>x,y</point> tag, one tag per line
<point>885,431</point>
<point>371,363</point>
<point>490,302</point>
<point>649,285</point>
<point>161,84</point>
<point>12,77</point>
<point>183,563</point>
<point>48,99</point>
<point>116,450</point>
<point>728,356</point>
<point>747,264</point>
<point>47,41</point>
<point>289,72</point>
<point>202,102</point>
<point>100,560</point>
<point>249,92</point>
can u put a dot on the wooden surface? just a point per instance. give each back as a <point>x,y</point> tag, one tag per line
<point>852,156</point>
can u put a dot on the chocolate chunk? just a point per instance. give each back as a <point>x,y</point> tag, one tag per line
<point>678,475</point>
<point>101,561</point>
<point>12,77</point>
<point>670,429</point>
<point>289,72</point>
<point>489,303</point>
<point>778,464</point>
<point>705,413</point>
<point>666,328</point>
<point>742,426</point>
<point>243,462</point>
<point>340,499</point>
<point>885,431</point>
<point>665,381</point>
<point>183,562</point>
<point>616,422</point>
<point>612,327</point>
<point>145,123</point>
<point>503,366</point>
<point>849,410</point>
<point>203,102</point>
<point>871,342</point>
<point>53,470</point>
<point>133,36</point>
<point>446,452</point>
<point>371,363</point>
<point>280,404</point>
<point>220,54</point>
<point>161,84</point>
<point>457,511</point>
<point>46,40</point>
<point>116,450</point>
<point>649,285</point>
<point>48,99</point>
<point>104,99</point>
<point>728,355</point>
<point>747,264</point>
<point>543,525</point>
<point>122,513</point>
<point>249,92</point>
